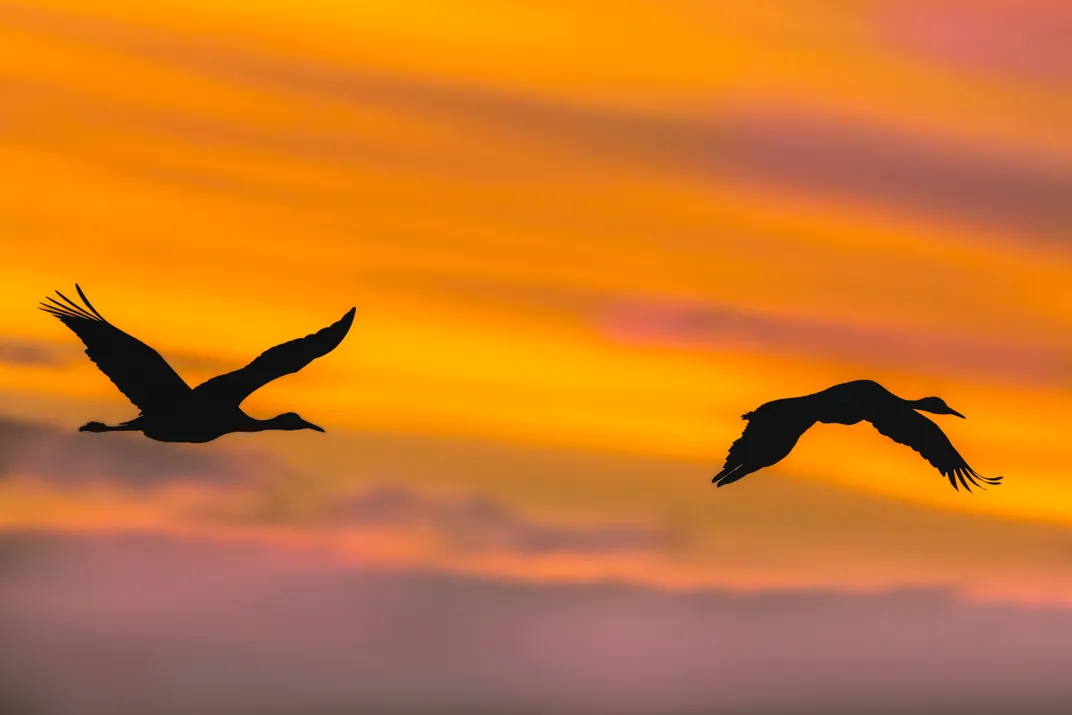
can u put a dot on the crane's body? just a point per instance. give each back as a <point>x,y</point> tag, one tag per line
<point>170,410</point>
<point>775,427</point>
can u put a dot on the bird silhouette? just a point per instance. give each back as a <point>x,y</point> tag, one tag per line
<point>170,411</point>
<point>774,428</point>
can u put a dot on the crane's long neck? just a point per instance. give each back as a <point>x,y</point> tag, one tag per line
<point>252,424</point>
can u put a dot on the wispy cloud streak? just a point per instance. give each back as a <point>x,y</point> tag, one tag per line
<point>770,144</point>
<point>714,327</point>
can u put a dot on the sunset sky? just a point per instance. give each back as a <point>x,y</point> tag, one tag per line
<point>582,238</point>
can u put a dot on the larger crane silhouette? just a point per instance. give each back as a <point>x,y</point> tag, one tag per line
<point>774,428</point>
<point>170,411</point>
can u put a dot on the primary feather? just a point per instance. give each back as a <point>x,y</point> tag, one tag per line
<point>136,369</point>
<point>925,437</point>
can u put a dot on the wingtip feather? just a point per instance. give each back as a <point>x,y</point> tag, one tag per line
<point>344,323</point>
<point>89,305</point>
<point>59,310</point>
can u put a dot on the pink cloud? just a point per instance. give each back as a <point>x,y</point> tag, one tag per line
<point>654,322</point>
<point>1025,40</point>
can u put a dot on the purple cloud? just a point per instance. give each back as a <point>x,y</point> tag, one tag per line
<point>31,353</point>
<point>922,175</point>
<point>66,456</point>
<point>473,524</point>
<point>128,625</point>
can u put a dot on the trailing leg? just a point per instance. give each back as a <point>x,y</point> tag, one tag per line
<point>101,427</point>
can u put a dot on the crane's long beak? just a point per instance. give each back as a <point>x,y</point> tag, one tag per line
<point>310,425</point>
<point>954,412</point>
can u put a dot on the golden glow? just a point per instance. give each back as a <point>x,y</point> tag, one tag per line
<point>492,185</point>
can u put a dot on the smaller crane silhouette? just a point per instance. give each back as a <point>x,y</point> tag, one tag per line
<point>774,428</point>
<point>170,410</point>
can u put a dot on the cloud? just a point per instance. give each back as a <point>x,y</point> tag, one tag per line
<point>139,624</point>
<point>890,520</point>
<point>930,176</point>
<point>474,524</point>
<point>772,144</point>
<point>66,456</point>
<point>1023,40</point>
<point>640,318</point>
<point>32,353</point>
<point>714,326</point>
<point>29,352</point>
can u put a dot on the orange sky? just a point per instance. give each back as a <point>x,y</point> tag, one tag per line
<point>582,239</point>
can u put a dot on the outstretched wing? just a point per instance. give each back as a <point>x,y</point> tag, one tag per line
<point>771,434</point>
<point>234,387</point>
<point>136,369</point>
<point>921,434</point>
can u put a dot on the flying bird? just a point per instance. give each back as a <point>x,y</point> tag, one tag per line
<point>774,428</point>
<point>170,411</point>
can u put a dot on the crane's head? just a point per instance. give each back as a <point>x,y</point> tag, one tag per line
<point>292,421</point>
<point>936,406</point>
